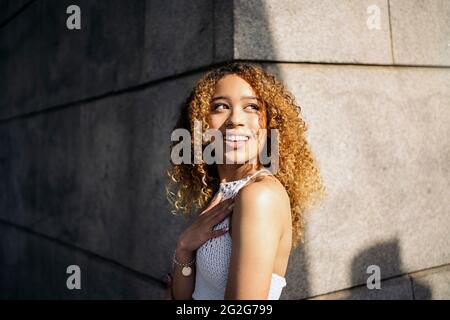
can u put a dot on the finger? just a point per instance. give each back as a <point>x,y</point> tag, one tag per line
<point>217,198</point>
<point>220,214</point>
<point>221,206</point>
<point>218,207</point>
<point>218,233</point>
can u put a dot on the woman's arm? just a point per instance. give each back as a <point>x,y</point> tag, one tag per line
<point>258,218</point>
<point>183,286</point>
<point>191,239</point>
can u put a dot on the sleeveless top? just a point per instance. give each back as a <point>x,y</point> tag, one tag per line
<point>213,257</point>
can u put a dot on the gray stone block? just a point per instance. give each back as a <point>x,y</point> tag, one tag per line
<point>432,284</point>
<point>297,276</point>
<point>46,64</point>
<point>20,70</point>
<point>377,133</point>
<point>223,30</point>
<point>120,45</point>
<point>392,289</point>
<point>179,36</point>
<point>93,175</point>
<point>421,32</point>
<point>311,31</point>
<point>34,267</point>
<point>9,9</point>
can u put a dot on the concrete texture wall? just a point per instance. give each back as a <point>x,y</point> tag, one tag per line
<point>86,115</point>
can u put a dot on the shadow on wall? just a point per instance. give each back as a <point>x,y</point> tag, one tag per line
<point>385,255</point>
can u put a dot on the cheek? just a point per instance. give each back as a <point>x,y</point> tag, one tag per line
<point>262,121</point>
<point>259,122</point>
<point>260,127</point>
<point>216,121</point>
<point>213,122</point>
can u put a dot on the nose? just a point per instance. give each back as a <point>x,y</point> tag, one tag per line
<point>236,118</point>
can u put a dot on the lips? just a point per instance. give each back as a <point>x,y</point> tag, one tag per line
<point>236,140</point>
<point>232,137</point>
<point>235,144</point>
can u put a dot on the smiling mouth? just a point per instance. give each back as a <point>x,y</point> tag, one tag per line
<point>235,141</point>
<point>233,137</point>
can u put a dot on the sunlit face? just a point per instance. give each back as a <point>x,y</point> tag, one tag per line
<point>239,115</point>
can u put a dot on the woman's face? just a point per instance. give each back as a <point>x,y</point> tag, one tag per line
<point>237,113</point>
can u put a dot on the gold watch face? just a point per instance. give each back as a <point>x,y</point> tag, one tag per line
<point>186,271</point>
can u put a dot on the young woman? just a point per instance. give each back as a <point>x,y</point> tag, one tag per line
<point>250,216</point>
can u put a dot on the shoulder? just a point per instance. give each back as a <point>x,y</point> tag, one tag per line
<point>264,190</point>
<point>264,199</point>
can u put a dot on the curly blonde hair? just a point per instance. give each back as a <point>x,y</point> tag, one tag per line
<point>191,186</point>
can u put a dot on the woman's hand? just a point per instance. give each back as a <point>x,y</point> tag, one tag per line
<point>201,230</point>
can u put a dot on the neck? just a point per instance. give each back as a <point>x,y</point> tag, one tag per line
<point>232,172</point>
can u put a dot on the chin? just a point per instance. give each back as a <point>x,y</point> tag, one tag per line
<point>237,158</point>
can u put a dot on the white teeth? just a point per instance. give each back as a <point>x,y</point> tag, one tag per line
<point>236,138</point>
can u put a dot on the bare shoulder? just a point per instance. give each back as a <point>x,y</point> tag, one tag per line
<point>266,189</point>
<point>265,197</point>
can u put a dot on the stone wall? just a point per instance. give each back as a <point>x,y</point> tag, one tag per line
<point>86,116</point>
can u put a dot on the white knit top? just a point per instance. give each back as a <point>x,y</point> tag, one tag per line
<point>213,257</point>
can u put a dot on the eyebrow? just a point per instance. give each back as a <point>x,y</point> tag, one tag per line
<point>228,98</point>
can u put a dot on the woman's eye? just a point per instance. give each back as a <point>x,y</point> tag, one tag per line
<point>219,106</point>
<point>253,106</point>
